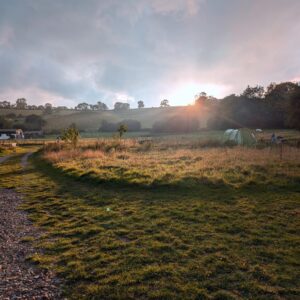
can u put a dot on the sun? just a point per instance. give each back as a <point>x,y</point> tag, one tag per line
<point>184,93</point>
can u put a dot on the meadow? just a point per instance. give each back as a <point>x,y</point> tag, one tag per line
<point>164,219</point>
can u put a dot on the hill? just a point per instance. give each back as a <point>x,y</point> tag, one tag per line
<point>91,120</point>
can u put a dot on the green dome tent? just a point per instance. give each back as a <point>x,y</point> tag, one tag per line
<point>242,136</point>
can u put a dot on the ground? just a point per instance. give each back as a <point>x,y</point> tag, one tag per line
<point>229,231</point>
<point>20,279</point>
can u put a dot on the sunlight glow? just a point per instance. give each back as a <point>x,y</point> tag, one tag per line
<point>184,93</point>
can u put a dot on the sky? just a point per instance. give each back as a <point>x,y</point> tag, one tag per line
<point>71,51</point>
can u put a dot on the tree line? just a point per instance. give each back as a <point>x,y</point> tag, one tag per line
<point>277,106</point>
<point>21,103</point>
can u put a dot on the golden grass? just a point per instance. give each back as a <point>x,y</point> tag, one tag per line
<point>126,161</point>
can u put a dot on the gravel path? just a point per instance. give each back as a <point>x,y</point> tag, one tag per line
<point>20,279</point>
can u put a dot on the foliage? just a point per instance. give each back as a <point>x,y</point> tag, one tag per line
<point>122,129</point>
<point>141,104</point>
<point>4,104</point>
<point>121,106</point>
<point>254,92</point>
<point>21,103</point>
<point>5,122</point>
<point>82,106</point>
<point>293,108</point>
<point>48,108</point>
<point>71,135</point>
<point>164,103</point>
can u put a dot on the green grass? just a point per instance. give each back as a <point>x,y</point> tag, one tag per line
<point>109,241</point>
<point>8,150</point>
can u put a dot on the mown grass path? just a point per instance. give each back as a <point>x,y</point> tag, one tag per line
<point>110,241</point>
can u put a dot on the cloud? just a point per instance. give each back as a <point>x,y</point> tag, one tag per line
<point>71,51</point>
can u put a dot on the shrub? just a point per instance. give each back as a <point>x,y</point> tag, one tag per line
<point>71,135</point>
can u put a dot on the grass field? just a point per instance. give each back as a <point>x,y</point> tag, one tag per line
<point>173,220</point>
<point>91,120</point>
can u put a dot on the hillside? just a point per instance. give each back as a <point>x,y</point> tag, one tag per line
<point>91,120</point>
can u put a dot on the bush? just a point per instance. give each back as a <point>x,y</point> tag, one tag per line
<point>71,135</point>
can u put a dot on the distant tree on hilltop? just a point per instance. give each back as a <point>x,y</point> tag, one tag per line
<point>48,108</point>
<point>164,103</point>
<point>141,104</point>
<point>254,92</point>
<point>21,103</point>
<point>4,104</point>
<point>121,106</point>
<point>101,106</point>
<point>82,106</point>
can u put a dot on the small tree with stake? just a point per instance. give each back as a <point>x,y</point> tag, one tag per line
<point>71,135</point>
<point>122,129</point>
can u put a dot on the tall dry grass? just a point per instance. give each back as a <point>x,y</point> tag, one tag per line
<point>131,161</point>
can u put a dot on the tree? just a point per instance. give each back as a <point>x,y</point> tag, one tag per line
<point>4,104</point>
<point>293,110</point>
<point>200,98</point>
<point>101,106</point>
<point>71,135</point>
<point>121,106</point>
<point>48,108</point>
<point>277,95</point>
<point>141,104</point>
<point>82,106</point>
<point>93,107</point>
<point>164,103</point>
<point>5,123</point>
<point>122,129</point>
<point>21,103</point>
<point>254,92</point>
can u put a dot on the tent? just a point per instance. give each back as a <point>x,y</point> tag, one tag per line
<point>242,136</point>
